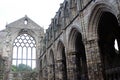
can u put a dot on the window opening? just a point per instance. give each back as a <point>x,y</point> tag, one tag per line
<point>24,53</point>
<point>25,21</point>
<point>116,45</point>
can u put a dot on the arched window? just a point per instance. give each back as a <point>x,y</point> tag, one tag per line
<point>24,53</point>
<point>80,4</point>
<point>66,10</point>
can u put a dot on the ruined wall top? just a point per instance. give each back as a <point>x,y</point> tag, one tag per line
<point>68,10</point>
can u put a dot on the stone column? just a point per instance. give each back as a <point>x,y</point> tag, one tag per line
<point>93,60</point>
<point>71,65</point>
<point>50,72</point>
<point>40,74</point>
<point>59,70</point>
<point>6,68</point>
<point>45,73</point>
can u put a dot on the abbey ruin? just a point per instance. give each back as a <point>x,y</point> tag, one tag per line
<point>81,43</point>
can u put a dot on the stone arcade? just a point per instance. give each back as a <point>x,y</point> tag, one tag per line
<point>81,43</point>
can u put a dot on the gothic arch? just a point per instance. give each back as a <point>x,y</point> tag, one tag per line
<point>60,45</point>
<point>59,18</point>
<point>24,31</point>
<point>24,49</point>
<point>72,37</point>
<point>78,53</point>
<point>103,27</point>
<point>28,37</point>
<point>62,58</point>
<point>51,57</point>
<point>94,17</point>
<point>66,12</point>
<point>108,31</point>
<point>66,9</point>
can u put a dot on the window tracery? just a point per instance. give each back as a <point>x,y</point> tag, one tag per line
<point>24,51</point>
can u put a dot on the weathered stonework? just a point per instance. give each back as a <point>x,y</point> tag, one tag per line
<point>8,36</point>
<point>75,35</point>
<point>78,45</point>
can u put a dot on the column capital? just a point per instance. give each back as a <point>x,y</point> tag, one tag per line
<point>70,52</point>
<point>90,41</point>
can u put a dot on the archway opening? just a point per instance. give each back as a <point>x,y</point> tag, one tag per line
<point>81,64</point>
<point>64,66</point>
<point>62,61</point>
<point>109,44</point>
<point>52,66</point>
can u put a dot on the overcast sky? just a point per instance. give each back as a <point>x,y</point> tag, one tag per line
<point>40,11</point>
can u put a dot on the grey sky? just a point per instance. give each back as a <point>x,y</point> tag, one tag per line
<point>40,11</point>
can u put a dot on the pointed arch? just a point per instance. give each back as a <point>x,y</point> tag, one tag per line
<point>94,17</point>
<point>78,53</point>
<point>62,55</point>
<point>66,9</point>
<point>24,51</point>
<point>72,37</point>
<point>103,27</point>
<point>108,31</point>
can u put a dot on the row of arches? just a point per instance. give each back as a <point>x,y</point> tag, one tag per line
<point>61,63</point>
<point>75,65</point>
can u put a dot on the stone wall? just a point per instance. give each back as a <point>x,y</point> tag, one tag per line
<point>78,45</point>
<point>7,39</point>
<point>3,68</point>
<point>73,38</point>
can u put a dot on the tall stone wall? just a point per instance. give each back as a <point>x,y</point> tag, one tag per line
<point>73,38</point>
<point>22,26</point>
<point>78,45</point>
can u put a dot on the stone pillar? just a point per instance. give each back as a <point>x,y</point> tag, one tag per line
<point>40,74</point>
<point>6,68</point>
<point>50,72</point>
<point>93,60</point>
<point>71,65</point>
<point>58,70</point>
<point>60,73</point>
<point>45,73</point>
